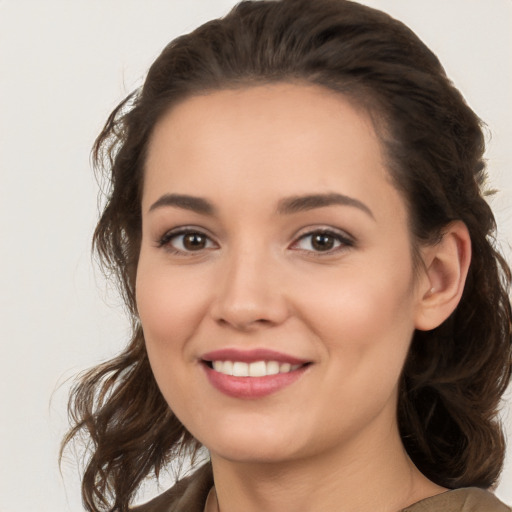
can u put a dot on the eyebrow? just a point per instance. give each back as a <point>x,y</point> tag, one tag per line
<point>286,206</point>
<point>186,202</point>
<point>309,202</point>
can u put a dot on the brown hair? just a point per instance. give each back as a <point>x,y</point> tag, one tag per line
<point>455,375</point>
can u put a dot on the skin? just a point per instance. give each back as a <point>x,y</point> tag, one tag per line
<point>259,282</point>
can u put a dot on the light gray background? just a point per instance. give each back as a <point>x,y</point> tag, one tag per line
<point>63,66</point>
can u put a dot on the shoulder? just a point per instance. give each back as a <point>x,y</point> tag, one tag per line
<point>187,494</point>
<point>471,499</point>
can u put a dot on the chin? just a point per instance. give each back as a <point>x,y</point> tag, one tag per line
<point>248,444</point>
<point>253,454</point>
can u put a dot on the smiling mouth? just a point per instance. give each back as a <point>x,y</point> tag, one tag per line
<point>252,373</point>
<point>249,380</point>
<point>254,369</point>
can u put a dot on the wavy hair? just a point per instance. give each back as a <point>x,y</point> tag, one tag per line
<point>455,375</point>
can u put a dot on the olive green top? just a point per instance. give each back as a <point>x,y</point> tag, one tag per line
<point>470,499</point>
<point>189,495</point>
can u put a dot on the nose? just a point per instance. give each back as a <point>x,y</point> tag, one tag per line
<point>250,293</point>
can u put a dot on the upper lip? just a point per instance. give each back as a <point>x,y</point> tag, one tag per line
<point>251,356</point>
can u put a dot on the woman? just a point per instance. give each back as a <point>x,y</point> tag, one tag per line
<point>297,224</point>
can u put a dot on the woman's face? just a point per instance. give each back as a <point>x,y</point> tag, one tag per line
<point>275,245</point>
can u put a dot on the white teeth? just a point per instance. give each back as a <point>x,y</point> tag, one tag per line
<point>272,368</point>
<point>240,369</point>
<point>228,368</point>
<point>285,367</point>
<point>218,366</point>
<point>223,367</point>
<point>256,369</point>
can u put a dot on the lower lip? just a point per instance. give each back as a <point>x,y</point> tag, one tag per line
<point>252,387</point>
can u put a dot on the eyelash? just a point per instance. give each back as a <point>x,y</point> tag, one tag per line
<point>343,240</point>
<point>165,241</point>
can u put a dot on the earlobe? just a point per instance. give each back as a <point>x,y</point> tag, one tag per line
<point>446,267</point>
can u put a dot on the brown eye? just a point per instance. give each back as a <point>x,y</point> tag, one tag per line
<point>194,241</point>
<point>322,241</point>
<point>186,241</point>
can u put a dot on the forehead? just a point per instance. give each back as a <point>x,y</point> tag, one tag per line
<point>267,141</point>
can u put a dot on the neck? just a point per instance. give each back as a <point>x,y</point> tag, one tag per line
<point>363,477</point>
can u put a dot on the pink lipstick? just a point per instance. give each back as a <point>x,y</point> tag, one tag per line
<point>251,374</point>
<point>249,356</point>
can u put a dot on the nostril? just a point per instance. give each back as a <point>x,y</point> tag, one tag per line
<point>245,324</point>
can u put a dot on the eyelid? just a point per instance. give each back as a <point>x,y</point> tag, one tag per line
<point>346,240</point>
<point>164,241</point>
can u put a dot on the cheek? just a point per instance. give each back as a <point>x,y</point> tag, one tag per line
<point>365,331</point>
<point>169,303</point>
<point>360,302</point>
<point>364,319</point>
<point>170,309</point>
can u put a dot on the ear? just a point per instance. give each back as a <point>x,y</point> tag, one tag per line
<point>441,284</point>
